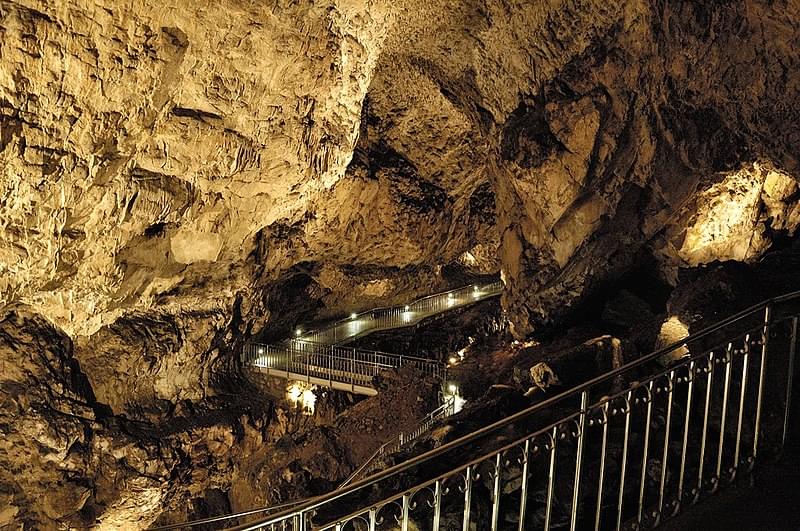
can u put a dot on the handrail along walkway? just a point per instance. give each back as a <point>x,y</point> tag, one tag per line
<point>694,397</point>
<point>318,356</point>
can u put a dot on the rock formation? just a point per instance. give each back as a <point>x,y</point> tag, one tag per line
<point>176,179</point>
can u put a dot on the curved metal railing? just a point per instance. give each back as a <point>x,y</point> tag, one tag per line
<point>386,318</point>
<point>228,518</point>
<point>317,357</point>
<point>626,449</point>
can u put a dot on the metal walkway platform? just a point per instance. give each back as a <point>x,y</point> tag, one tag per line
<point>318,357</point>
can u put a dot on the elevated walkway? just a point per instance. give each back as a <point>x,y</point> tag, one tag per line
<point>318,356</point>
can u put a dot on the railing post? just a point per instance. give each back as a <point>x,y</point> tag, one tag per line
<point>742,395</point>
<point>523,501</point>
<point>790,378</point>
<point>704,436</point>
<point>686,423</point>
<point>604,420</point>
<point>551,478</point>
<point>353,370</point>
<point>665,453</point>
<point>467,498</point>
<point>623,465</point>
<point>496,492</point>
<point>406,505</point>
<point>764,345</point>
<point>579,461</point>
<point>373,519</point>
<point>437,505</point>
<point>728,360</point>
<point>643,477</point>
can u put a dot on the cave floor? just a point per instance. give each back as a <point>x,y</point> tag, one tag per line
<point>768,502</point>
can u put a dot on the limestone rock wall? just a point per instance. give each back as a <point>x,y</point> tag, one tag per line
<point>177,178</point>
<point>163,159</point>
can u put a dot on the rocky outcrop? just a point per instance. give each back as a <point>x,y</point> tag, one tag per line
<point>67,460</point>
<point>62,460</point>
<point>616,163</point>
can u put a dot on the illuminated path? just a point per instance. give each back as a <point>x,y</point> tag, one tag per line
<point>318,357</point>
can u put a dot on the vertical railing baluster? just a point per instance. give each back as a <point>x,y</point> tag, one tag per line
<point>728,360</point>
<point>551,477</point>
<point>496,491</point>
<point>353,370</point>
<point>523,502</point>
<point>406,505</point>
<point>665,452</point>
<point>624,462</point>
<point>704,436</point>
<point>437,504</point>
<point>686,423</point>
<point>762,372</point>
<point>579,461</point>
<point>373,519</point>
<point>467,498</point>
<point>742,396</point>
<point>789,381</point>
<point>605,421</point>
<point>643,475</point>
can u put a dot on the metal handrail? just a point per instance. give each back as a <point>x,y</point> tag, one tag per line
<point>496,285</point>
<point>223,518</point>
<point>318,352</point>
<point>340,364</point>
<point>357,472</point>
<point>582,392</point>
<point>359,350</point>
<point>393,445</point>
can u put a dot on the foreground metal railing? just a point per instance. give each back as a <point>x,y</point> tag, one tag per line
<point>623,451</point>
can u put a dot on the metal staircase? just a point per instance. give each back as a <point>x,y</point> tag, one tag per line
<point>625,450</point>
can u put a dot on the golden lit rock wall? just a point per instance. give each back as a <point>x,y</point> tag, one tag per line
<point>169,172</point>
